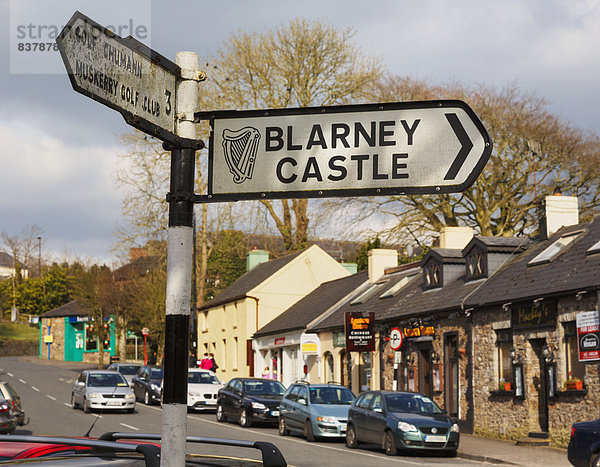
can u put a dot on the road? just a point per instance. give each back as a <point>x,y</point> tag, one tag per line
<point>45,389</point>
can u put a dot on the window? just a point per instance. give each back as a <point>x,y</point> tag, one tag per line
<point>401,283</point>
<point>595,248</point>
<point>303,393</point>
<point>235,353</point>
<point>476,265</point>
<point>575,368</point>
<point>329,374</point>
<point>368,293</point>
<point>433,275</point>
<point>293,394</point>
<point>204,321</point>
<point>91,341</point>
<point>555,249</point>
<point>504,344</point>
<point>377,402</point>
<point>364,400</point>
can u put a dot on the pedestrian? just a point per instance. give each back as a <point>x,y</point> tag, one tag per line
<point>192,360</point>
<point>266,372</point>
<point>214,363</point>
<point>206,363</point>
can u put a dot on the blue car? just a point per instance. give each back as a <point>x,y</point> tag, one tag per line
<point>315,410</point>
<point>584,445</point>
<point>401,421</point>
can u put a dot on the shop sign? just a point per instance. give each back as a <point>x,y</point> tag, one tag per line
<point>78,319</point>
<point>360,332</point>
<point>588,336</point>
<point>418,331</point>
<point>533,315</point>
<point>279,341</point>
<point>310,344</point>
<point>339,339</point>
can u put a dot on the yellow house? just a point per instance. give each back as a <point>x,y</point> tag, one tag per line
<point>226,323</point>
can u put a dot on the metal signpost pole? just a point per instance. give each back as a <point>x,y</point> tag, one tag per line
<point>179,267</point>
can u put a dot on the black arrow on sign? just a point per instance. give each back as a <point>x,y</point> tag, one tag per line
<point>466,143</point>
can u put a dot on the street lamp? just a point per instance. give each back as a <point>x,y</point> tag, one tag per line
<point>40,256</point>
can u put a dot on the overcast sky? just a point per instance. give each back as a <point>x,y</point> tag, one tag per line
<point>59,148</point>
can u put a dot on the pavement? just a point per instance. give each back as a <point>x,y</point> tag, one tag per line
<point>496,451</point>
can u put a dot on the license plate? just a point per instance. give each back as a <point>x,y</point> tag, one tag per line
<point>113,403</point>
<point>435,439</point>
<point>342,427</point>
<point>275,413</point>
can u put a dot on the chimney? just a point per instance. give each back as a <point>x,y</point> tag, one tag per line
<point>379,260</point>
<point>558,211</point>
<point>256,257</point>
<point>455,238</point>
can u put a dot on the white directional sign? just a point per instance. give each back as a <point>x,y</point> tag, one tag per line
<point>121,73</point>
<point>375,149</point>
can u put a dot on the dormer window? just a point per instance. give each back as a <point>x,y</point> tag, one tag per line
<point>476,265</point>
<point>433,275</point>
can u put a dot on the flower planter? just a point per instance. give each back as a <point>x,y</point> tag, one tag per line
<point>575,386</point>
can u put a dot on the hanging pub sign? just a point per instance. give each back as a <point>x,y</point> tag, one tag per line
<point>360,332</point>
<point>588,336</point>
<point>533,314</point>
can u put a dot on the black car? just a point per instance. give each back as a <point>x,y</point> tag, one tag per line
<point>250,400</point>
<point>8,392</point>
<point>584,445</point>
<point>401,421</point>
<point>147,384</point>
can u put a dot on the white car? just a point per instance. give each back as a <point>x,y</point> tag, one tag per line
<point>203,386</point>
<point>102,390</point>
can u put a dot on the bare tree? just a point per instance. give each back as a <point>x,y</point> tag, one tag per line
<point>296,65</point>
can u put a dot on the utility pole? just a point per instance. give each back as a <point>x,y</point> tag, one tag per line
<point>179,268</point>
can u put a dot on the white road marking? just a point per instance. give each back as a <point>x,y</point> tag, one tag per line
<point>23,381</point>
<point>129,426</point>
<point>50,397</point>
<point>68,405</point>
<point>35,389</point>
<point>302,441</point>
<point>11,375</point>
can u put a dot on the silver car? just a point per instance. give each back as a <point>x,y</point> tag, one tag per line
<point>102,390</point>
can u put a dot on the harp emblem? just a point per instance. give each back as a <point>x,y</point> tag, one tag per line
<point>240,147</point>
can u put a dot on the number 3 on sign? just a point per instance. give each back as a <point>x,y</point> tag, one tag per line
<point>168,102</point>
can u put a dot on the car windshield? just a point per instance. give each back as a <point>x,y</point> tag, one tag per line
<point>128,369</point>
<point>202,377</point>
<point>413,403</point>
<point>106,380</point>
<point>333,396</point>
<point>156,373</point>
<point>264,388</point>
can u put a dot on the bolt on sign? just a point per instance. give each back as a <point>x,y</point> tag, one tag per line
<point>588,335</point>
<point>360,332</point>
<point>123,74</point>
<point>355,150</point>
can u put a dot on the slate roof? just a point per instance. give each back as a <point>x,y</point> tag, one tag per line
<point>73,308</point>
<point>444,255</point>
<point>248,281</point>
<point>498,244</point>
<point>573,270</point>
<point>379,302</point>
<point>6,260</point>
<point>314,304</point>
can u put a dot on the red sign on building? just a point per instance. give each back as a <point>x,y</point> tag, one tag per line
<point>588,336</point>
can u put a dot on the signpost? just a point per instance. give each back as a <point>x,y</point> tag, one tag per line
<point>123,74</point>
<point>356,150</point>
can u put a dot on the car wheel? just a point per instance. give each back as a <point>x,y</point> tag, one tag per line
<point>595,460</point>
<point>283,431</point>
<point>86,409</point>
<point>220,414</point>
<point>389,444</point>
<point>308,431</point>
<point>243,419</point>
<point>351,440</point>
<point>146,398</point>
<point>73,403</point>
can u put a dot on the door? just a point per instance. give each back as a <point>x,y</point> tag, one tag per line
<point>425,386</point>
<point>375,420</point>
<point>451,374</point>
<point>541,383</point>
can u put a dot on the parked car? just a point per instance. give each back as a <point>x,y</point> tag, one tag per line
<point>147,384</point>
<point>8,420</point>
<point>316,410</point>
<point>249,400</point>
<point>102,389</point>
<point>203,388</point>
<point>128,370</point>
<point>584,445</point>
<point>8,392</point>
<point>125,449</point>
<point>401,420</point>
